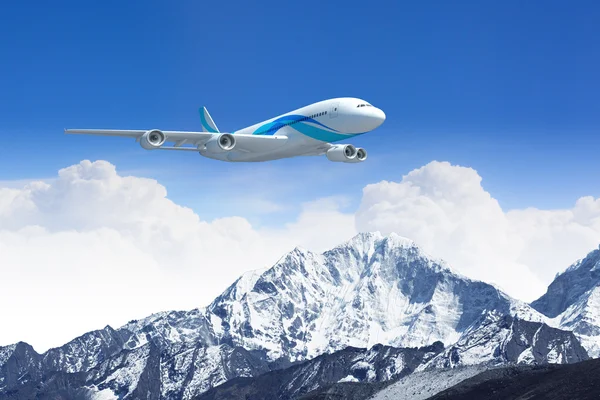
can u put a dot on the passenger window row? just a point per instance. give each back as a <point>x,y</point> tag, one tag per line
<point>273,128</point>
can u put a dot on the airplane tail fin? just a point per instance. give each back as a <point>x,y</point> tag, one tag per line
<point>208,125</point>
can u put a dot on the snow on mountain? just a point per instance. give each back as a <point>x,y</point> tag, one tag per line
<point>105,394</point>
<point>573,301</point>
<point>131,373</point>
<point>498,339</point>
<point>180,371</point>
<point>372,289</point>
<point>192,372</point>
<point>166,328</point>
<point>6,352</point>
<point>568,287</point>
<point>84,352</point>
<point>583,318</point>
<point>177,372</point>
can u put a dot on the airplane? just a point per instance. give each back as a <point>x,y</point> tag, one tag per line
<point>310,130</point>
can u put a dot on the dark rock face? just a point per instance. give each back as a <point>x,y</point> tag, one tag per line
<point>149,385</point>
<point>346,390</point>
<point>569,286</point>
<point>501,339</point>
<point>549,382</point>
<point>378,364</point>
<point>21,365</point>
<point>56,386</point>
<point>548,345</point>
<point>84,352</point>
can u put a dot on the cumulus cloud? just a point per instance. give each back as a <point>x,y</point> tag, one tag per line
<point>445,209</point>
<point>93,247</point>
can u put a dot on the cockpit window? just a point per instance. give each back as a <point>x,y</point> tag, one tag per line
<point>364,105</point>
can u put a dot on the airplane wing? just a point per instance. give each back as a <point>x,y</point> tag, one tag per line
<point>247,143</point>
<point>172,136</point>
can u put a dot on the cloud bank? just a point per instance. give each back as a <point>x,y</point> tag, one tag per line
<point>445,209</point>
<point>91,247</point>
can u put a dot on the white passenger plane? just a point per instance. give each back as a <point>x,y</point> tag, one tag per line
<point>306,131</point>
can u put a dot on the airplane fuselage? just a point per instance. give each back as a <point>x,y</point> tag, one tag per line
<point>308,128</point>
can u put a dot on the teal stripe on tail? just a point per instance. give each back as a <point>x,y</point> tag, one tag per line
<point>208,125</point>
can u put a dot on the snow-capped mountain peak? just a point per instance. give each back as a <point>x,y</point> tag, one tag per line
<point>371,289</point>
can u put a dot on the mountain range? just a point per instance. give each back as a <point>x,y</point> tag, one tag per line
<point>370,304</point>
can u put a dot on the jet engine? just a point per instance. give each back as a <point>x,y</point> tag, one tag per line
<point>341,153</point>
<point>220,143</point>
<point>361,155</point>
<point>152,139</point>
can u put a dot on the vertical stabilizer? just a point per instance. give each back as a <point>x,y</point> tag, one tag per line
<point>208,125</point>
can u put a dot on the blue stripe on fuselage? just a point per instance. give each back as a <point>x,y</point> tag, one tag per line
<point>304,125</point>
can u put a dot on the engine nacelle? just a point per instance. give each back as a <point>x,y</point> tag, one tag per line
<point>220,143</point>
<point>361,155</point>
<point>341,153</point>
<point>152,139</point>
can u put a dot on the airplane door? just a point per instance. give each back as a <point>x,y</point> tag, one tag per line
<point>333,111</point>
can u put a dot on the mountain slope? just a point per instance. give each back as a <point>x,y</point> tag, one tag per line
<point>549,382</point>
<point>84,352</point>
<point>143,372</point>
<point>568,287</point>
<point>378,364</point>
<point>492,340</point>
<point>424,384</point>
<point>19,365</point>
<point>502,339</point>
<point>495,340</point>
<point>372,289</point>
<point>573,301</point>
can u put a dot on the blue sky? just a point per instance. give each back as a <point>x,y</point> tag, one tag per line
<point>508,88</point>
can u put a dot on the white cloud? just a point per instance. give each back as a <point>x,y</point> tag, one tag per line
<point>445,210</point>
<point>321,225</point>
<point>93,248</point>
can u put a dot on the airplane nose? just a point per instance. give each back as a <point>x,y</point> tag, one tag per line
<point>377,117</point>
<point>381,115</point>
